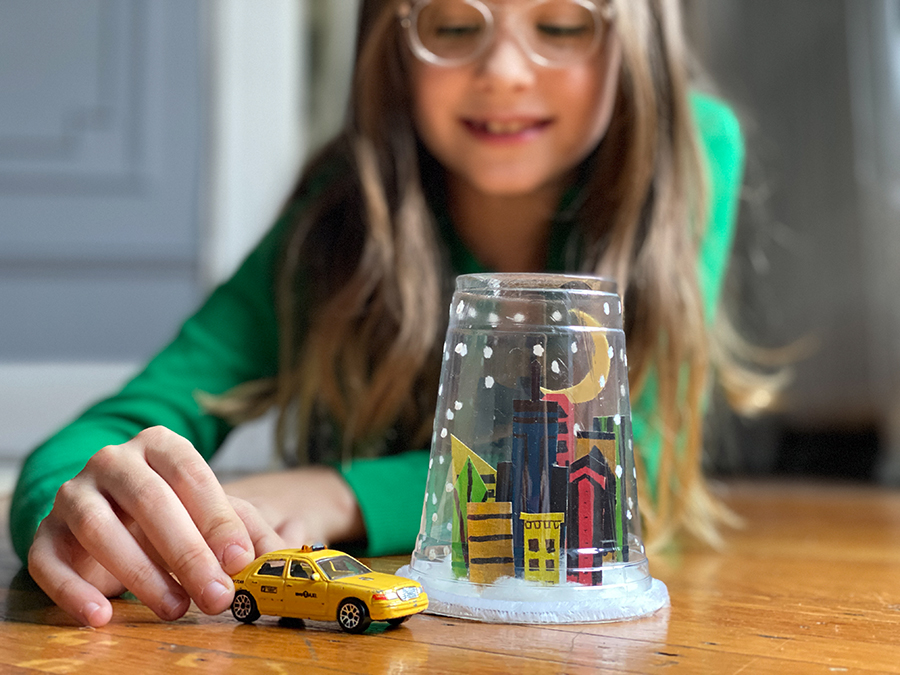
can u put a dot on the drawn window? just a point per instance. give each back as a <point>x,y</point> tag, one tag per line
<point>550,565</point>
<point>534,564</point>
<point>534,545</point>
<point>272,568</point>
<point>551,546</point>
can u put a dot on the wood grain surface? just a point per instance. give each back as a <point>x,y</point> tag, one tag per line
<point>810,584</point>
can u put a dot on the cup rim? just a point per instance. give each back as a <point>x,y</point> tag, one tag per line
<point>535,281</point>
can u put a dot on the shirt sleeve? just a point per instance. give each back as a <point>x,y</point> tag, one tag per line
<point>389,491</point>
<point>230,340</point>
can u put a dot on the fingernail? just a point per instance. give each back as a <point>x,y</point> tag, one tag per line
<point>90,613</point>
<point>232,553</point>
<point>213,591</point>
<point>173,605</point>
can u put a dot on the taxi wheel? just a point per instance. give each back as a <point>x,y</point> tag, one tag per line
<point>353,616</point>
<point>398,620</point>
<point>243,607</point>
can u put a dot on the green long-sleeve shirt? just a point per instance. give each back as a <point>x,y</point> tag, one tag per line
<point>233,339</point>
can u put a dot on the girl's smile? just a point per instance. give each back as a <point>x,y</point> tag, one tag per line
<point>506,129</point>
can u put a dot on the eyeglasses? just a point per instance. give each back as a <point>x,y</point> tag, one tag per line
<point>553,33</point>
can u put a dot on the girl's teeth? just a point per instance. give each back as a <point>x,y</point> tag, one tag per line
<point>495,127</point>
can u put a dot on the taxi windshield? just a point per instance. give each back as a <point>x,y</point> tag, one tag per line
<point>341,566</point>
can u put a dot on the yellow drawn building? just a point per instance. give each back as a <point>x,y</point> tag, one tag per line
<point>490,541</point>
<point>541,542</point>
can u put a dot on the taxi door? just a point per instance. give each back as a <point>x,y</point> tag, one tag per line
<point>266,585</point>
<point>304,597</point>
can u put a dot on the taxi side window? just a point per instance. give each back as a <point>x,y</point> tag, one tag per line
<point>272,568</point>
<point>300,570</point>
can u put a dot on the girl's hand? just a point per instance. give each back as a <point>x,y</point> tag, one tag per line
<point>312,505</point>
<point>148,516</point>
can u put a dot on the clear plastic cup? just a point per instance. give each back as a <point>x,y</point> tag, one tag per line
<point>530,512</point>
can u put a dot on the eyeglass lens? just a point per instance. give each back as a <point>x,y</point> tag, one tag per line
<point>556,31</point>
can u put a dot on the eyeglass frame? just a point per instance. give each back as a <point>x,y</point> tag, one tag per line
<point>408,13</point>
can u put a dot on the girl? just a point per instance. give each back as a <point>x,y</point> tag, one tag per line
<point>515,135</point>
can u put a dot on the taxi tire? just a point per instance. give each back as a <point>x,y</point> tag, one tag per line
<point>244,608</point>
<point>398,620</point>
<point>352,616</point>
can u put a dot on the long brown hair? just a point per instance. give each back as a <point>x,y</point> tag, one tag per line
<point>363,260</point>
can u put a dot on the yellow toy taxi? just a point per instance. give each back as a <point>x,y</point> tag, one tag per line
<point>323,584</point>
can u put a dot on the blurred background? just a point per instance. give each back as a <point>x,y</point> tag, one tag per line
<point>146,146</point>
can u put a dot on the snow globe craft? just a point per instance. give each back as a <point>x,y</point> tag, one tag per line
<point>530,512</point>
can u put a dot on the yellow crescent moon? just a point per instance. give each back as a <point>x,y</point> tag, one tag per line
<point>593,383</point>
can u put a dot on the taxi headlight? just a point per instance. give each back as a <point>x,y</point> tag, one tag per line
<point>385,595</point>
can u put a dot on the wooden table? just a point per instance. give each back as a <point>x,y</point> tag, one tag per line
<point>811,584</point>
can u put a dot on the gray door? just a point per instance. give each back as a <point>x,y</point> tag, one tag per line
<point>101,147</point>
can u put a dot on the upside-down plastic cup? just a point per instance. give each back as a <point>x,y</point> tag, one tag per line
<point>530,512</point>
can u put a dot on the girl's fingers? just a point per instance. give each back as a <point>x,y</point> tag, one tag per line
<point>95,525</point>
<point>198,489</point>
<point>140,492</point>
<point>49,565</point>
<point>264,537</point>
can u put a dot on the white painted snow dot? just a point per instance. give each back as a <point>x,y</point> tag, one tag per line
<point>443,435</point>
<point>472,312</point>
<point>488,352</point>
<point>628,514</point>
<point>630,503</point>
<point>448,487</point>
<point>488,382</point>
<point>461,349</point>
<point>602,381</point>
<point>433,517</point>
<point>606,308</point>
<point>538,350</point>
<point>574,347</point>
<point>458,405</point>
<point>449,414</point>
<point>622,389</point>
<point>518,318</point>
<point>441,457</point>
<point>460,308</point>
<point>493,318</point>
<point>449,527</point>
<point>576,427</point>
<point>617,419</point>
<point>555,367</point>
<point>610,352</point>
<point>556,316</point>
<point>619,471</point>
<point>434,499</point>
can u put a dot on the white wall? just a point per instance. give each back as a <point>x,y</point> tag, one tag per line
<point>258,84</point>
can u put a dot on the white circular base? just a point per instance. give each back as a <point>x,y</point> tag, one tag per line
<point>590,605</point>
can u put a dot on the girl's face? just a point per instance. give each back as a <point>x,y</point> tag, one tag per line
<point>506,126</point>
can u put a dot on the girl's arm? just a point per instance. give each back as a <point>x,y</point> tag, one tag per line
<point>155,485</point>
